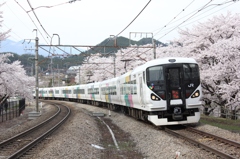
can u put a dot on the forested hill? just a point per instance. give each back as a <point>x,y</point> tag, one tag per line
<point>27,60</point>
<point>121,42</point>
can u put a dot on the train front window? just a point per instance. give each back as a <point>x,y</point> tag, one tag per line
<point>156,80</point>
<point>155,73</point>
<point>191,71</point>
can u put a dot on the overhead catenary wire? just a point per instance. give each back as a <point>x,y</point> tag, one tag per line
<point>32,10</point>
<point>17,17</point>
<point>207,15</point>
<point>194,13</point>
<point>175,17</point>
<point>134,18</point>
<point>32,21</point>
<point>38,18</point>
<point>130,22</point>
<point>52,5</point>
<point>185,20</point>
<point>17,37</point>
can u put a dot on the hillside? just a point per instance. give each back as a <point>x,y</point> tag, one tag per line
<point>20,47</point>
<point>63,63</point>
<point>27,47</point>
<point>122,42</point>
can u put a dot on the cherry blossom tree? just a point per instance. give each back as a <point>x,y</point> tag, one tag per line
<point>13,78</point>
<point>101,67</point>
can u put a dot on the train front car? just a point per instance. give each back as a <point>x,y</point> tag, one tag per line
<point>174,89</point>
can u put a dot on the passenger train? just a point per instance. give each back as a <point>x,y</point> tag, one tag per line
<point>163,91</point>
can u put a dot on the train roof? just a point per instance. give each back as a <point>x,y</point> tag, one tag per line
<point>166,60</point>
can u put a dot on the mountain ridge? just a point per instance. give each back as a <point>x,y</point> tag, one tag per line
<point>112,46</point>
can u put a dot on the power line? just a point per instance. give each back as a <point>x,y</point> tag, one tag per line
<point>52,5</point>
<point>129,23</point>
<point>175,17</point>
<point>17,16</point>
<point>31,20</point>
<point>12,32</point>
<point>196,16</point>
<point>38,19</point>
<point>134,18</point>
<point>208,14</point>
<point>202,8</point>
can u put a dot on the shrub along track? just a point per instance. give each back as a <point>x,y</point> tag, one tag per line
<point>219,146</point>
<point>21,143</point>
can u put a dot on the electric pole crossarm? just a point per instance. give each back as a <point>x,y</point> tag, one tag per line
<point>77,49</point>
<point>46,50</point>
<point>63,50</point>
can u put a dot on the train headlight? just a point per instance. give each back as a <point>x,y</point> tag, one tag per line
<point>154,97</point>
<point>196,94</point>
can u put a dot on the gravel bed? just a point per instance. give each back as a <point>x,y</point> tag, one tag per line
<point>76,138</point>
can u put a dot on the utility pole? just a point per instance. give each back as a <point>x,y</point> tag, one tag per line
<point>36,72</point>
<point>154,49</point>
<point>58,75</point>
<point>32,70</point>
<point>114,65</point>
<point>34,114</point>
<point>52,73</point>
<point>79,81</point>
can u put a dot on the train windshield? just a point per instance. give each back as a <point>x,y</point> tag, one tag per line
<point>191,71</point>
<point>155,73</point>
<point>166,78</point>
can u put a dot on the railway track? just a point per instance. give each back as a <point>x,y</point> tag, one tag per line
<point>20,144</point>
<point>217,145</point>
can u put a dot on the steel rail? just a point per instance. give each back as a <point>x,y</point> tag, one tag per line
<point>26,148</point>
<point>5,142</point>
<point>218,153</point>
<point>236,144</point>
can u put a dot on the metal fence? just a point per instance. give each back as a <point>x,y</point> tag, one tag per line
<point>226,114</point>
<point>11,109</point>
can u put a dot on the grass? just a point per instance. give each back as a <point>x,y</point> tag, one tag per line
<point>227,124</point>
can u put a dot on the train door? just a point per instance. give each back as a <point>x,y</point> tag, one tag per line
<point>141,91</point>
<point>175,96</point>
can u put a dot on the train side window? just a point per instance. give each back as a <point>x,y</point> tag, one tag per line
<point>134,87</point>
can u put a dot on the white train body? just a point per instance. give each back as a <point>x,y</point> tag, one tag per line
<point>163,91</point>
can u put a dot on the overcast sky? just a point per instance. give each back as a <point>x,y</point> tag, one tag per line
<point>88,22</point>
